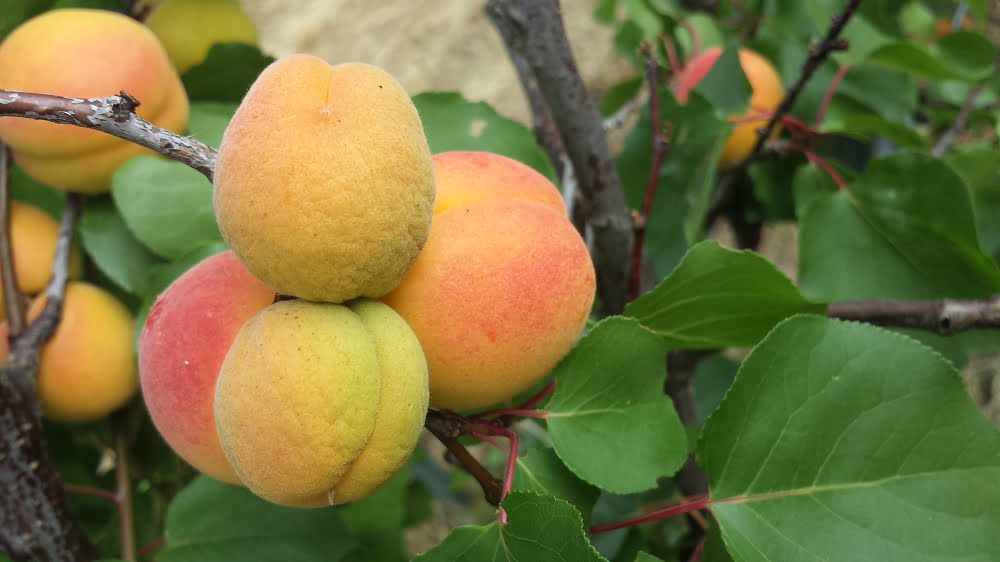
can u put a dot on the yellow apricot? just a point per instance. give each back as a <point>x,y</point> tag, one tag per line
<point>766,94</point>
<point>324,186</point>
<point>318,404</point>
<point>189,28</point>
<point>84,53</point>
<point>33,235</point>
<point>87,368</point>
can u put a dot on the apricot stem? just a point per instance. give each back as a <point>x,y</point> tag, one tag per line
<point>123,492</point>
<point>693,504</point>
<point>828,94</point>
<point>90,491</point>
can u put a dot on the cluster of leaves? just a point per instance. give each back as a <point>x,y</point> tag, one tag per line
<point>828,440</point>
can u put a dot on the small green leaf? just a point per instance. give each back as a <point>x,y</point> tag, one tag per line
<point>209,119</point>
<point>978,167</point>
<point>538,528</point>
<point>647,557</point>
<point>726,86</point>
<point>540,470</point>
<point>226,74</point>
<point>609,420</point>
<point>719,298</point>
<point>962,56</point>
<point>209,521</point>
<point>167,205</point>
<point>906,230</point>
<point>862,433</point>
<point>454,123</point>
<point>112,248</point>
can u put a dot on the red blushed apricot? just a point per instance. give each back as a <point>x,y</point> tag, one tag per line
<point>766,94</point>
<point>497,297</point>
<point>467,177</point>
<point>186,336</point>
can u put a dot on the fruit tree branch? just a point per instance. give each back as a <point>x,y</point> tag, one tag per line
<point>448,426</point>
<point>114,115</point>
<point>534,29</point>
<point>11,293</point>
<point>944,317</point>
<point>35,519</point>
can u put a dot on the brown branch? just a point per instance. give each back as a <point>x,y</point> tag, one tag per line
<point>36,523</point>
<point>114,115</point>
<point>534,30</point>
<point>11,293</point>
<point>123,486</point>
<point>448,426</point>
<point>944,317</point>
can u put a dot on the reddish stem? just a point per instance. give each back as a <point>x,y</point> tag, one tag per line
<point>508,476</point>
<point>152,546</point>
<point>524,413</point>
<point>652,179</point>
<point>672,59</point>
<point>696,553</point>
<point>536,397</point>
<point>91,491</point>
<point>487,439</point>
<point>828,94</point>
<point>818,161</point>
<point>695,504</point>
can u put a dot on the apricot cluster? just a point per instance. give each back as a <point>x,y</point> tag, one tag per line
<point>324,191</point>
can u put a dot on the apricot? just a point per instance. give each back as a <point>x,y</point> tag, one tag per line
<point>189,28</point>
<point>186,336</point>
<point>33,235</point>
<point>318,404</point>
<point>84,53</point>
<point>87,368</point>
<point>324,186</point>
<point>766,94</point>
<point>503,286</point>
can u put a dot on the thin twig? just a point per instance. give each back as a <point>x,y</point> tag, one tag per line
<point>534,29</point>
<point>123,491</point>
<point>8,277</point>
<point>944,317</point>
<point>700,502</point>
<point>448,426</point>
<point>958,125</point>
<point>114,115</point>
<point>659,152</point>
<point>621,116</point>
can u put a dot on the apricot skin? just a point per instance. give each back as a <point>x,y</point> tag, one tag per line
<point>183,342</point>
<point>33,235</point>
<point>189,28</point>
<point>48,54</point>
<point>501,291</point>
<point>87,368</point>
<point>324,186</point>
<point>766,94</point>
<point>314,409</point>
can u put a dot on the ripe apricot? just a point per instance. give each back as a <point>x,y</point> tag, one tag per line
<point>766,94</point>
<point>318,404</point>
<point>87,368</point>
<point>324,186</point>
<point>85,53</point>
<point>189,28</point>
<point>33,235</point>
<point>186,335</point>
<point>503,286</point>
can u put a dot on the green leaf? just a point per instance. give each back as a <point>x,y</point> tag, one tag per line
<point>209,521</point>
<point>906,229</point>
<point>24,188</point>
<point>226,73</point>
<point>538,528</point>
<point>718,298</point>
<point>978,167</point>
<point>726,86</point>
<point>209,119</point>
<point>647,557</point>
<point>112,248</point>
<point>962,56</point>
<point>842,442</point>
<point>609,420</point>
<point>454,123</point>
<point>16,11</point>
<point>540,470</point>
<point>686,182</point>
<point>712,378</point>
<point>715,548</point>
<point>377,521</point>
<point>864,126</point>
<point>167,205</point>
